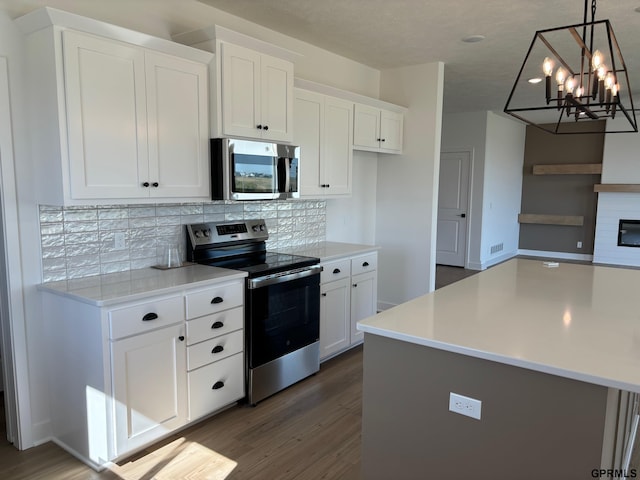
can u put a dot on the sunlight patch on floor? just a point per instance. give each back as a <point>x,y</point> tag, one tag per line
<point>179,459</point>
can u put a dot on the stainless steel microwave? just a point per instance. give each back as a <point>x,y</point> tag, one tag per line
<point>251,170</point>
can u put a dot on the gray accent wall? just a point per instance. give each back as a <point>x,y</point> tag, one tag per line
<point>560,194</point>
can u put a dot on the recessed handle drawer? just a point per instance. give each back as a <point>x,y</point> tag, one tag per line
<point>215,386</point>
<point>146,316</point>
<point>214,349</point>
<point>215,299</point>
<point>364,263</point>
<point>214,325</point>
<point>335,270</point>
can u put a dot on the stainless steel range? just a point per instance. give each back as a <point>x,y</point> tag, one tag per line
<point>282,302</point>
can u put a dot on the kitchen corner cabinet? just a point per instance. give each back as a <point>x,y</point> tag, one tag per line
<point>256,94</point>
<point>125,375</point>
<point>323,130</point>
<point>116,121</point>
<point>377,130</point>
<point>348,288</point>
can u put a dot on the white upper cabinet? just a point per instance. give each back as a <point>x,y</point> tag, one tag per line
<point>377,129</point>
<point>323,130</point>
<point>117,121</point>
<point>256,94</point>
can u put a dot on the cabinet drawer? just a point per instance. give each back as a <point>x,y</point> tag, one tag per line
<point>214,349</point>
<point>364,263</point>
<point>215,386</point>
<point>145,316</point>
<point>210,326</point>
<point>215,299</point>
<point>335,270</point>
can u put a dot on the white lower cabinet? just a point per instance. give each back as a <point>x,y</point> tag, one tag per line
<point>348,289</point>
<point>125,375</point>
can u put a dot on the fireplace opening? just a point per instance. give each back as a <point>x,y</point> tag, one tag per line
<point>629,233</point>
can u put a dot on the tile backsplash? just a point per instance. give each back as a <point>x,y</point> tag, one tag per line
<point>79,242</point>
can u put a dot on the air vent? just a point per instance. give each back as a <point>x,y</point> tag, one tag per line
<point>497,248</point>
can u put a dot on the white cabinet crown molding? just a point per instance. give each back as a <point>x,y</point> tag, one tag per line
<point>210,36</point>
<point>347,95</point>
<point>47,16</point>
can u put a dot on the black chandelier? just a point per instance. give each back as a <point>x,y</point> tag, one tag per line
<point>583,86</point>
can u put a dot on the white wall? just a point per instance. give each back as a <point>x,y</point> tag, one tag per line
<point>621,158</point>
<point>504,160</point>
<point>407,188</point>
<point>353,219</point>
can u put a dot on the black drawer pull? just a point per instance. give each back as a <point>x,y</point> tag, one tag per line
<point>145,184</point>
<point>181,338</point>
<point>149,316</point>
<point>217,349</point>
<point>365,264</point>
<point>217,300</point>
<point>217,325</point>
<point>324,294</point>
<point>217,385</point>
<point>355,285</point>
<point>336,270</point>
<point>155,184</point>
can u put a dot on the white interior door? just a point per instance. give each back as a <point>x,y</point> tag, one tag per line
<point>453,203</point>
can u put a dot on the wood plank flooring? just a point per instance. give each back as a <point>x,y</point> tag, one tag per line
<point>308,431</point>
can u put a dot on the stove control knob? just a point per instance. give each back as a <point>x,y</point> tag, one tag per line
<point>255,228</point>
<point>207,233</point>
<point>198,233</point>
<point>262,228</point>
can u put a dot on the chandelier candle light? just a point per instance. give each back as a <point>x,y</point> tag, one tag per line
<point>589,85</point>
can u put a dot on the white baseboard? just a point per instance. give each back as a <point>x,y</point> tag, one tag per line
<point>491,262</point>
<point>559,255</point>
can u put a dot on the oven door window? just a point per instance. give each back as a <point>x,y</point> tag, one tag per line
<point>254,173</point>
<point>282,318</point>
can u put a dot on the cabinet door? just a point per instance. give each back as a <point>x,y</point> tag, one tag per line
<point>366,126</point>
<point>364,299</point>
<point>334,317</point>
<point>106,117</point>
<point>391,131</point>
<point>309,132</point>
<point>276,99</point>
<point>178,126</point>
<point>240,91</point>
<point>337,155</point>
<point>149,386</point>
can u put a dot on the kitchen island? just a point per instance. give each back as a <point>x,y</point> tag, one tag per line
<point>550,351</point>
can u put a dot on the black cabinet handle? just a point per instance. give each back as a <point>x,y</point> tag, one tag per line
<point>217,325</point>
<point>155,184</point>
<point>355,285</point>
<point>181,338</point>
<point>149,316</point>
<point>217,300</point>
<point>217,349</point>
<point>145,184</point>
<point>383,140</point>
<point>365,264</point>
<point>266,127</point>
<point>324,294</point>
<point>336,270</point>
<point>259,127</point>
<point>217,385</point>
<point>378,139</point>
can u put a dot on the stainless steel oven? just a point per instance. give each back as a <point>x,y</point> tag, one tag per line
<point>282,302</point>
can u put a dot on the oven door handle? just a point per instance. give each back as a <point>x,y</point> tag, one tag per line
<point>287,276</point>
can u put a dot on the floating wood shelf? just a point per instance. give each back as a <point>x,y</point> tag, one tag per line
<point>570,220</point>
<point>617,187</point>
<point>568,169</point>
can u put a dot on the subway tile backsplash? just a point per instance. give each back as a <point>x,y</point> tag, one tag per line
<point>79,242</point>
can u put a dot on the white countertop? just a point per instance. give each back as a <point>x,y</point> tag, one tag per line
<point>575,321</point>
<point>326,251</point>
<point>109,289</point>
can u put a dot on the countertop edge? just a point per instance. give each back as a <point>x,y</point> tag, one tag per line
<point>327,251</point>
<point>135,296</point>
<point>498,358</point>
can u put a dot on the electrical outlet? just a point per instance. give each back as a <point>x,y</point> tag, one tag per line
<point>469,407</point>
<point>119,241</point>
<point>579,244</point>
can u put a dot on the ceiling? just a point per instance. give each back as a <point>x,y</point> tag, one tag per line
<point>391,33</point>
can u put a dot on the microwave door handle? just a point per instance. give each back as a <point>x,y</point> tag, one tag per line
<point>287,175</point>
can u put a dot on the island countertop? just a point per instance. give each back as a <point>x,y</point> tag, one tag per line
<point>575,321</point>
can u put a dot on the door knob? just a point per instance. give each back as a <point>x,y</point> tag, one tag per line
<point>463,215</point>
